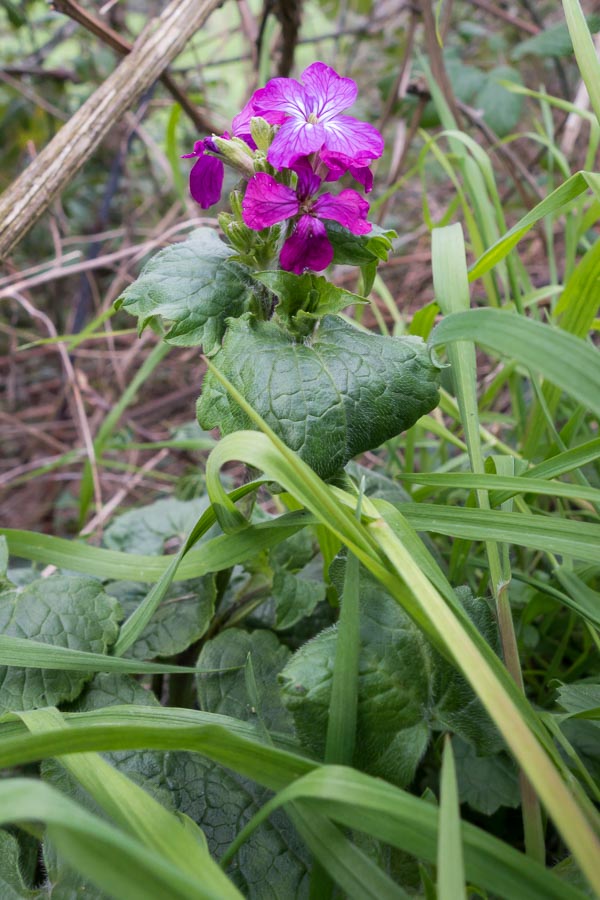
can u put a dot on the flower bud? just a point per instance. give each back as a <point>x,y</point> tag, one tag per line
<point>235,200</point>
<point>236,152</point>
<point>262,133</point>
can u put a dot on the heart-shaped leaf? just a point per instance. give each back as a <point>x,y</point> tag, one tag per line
<point>329,398</point>
<point>195,286</point>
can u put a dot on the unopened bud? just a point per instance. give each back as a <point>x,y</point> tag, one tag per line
<point>237,153</point>
<point>235,201</point>
<point>239,236</point>
<point>262,133</point>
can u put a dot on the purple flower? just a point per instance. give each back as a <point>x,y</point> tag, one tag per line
<point>267,202</point>
<point>312,119</point>
<point>206,176</point>
<point>338,164</point>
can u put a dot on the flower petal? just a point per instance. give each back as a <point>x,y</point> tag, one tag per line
<point>332,93</point>
<point>206,180</point>
<point>284,96</point>
<point>338,164</point>
<point>308,180</point>
<point>198,151</point>
<point>348,208</point>
<point>308,247</point>
<point>358,140</point>
<point>267,202</point>
<point>295,138</point>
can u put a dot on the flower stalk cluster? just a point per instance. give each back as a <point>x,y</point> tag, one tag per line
<point>290,139</point>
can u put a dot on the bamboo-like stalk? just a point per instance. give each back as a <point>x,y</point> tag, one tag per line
<point>159,43</point>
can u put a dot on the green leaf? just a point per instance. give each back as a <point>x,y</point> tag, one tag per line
<point>180,620</point>
<point>66,611</point>
<point>219,553</point>
<point>450,865</point>
<point>28,654</point>
<point>219,801</point>
<point>113,860</point>
<point>554,41</point>
<point>359,250</point>
<point>534,344</point>
<point>395,664</point>
<point>12,886</point>
<point>410,823</point>
<point>585,51</point>
<point>485,782</point>
<point>296,596</point>
<point>578,539</point>
<point>146,529</point>
<point>310,295</point>
<point>455,708</point>
<point>195,287</point>
<point>4,581</point>
<point>501,107</point>
<point>330,398</point>
<point>573,187</point>
<point>580,698</point>
<point>582,598</point>
<point>227,692</point>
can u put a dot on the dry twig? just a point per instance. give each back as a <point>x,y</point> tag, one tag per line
<point>31,194</point>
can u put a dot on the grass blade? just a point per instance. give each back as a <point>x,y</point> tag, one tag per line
<point>537,346</point>
<point>450,866</point>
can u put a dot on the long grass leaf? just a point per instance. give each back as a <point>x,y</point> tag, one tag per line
<point>450,865</point>
<point>111,859</point>
<point>396,817</point>
<point>565,360</point>
<point>136,811</point>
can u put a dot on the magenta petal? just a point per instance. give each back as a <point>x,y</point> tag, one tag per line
<point>358,140</point>
<point>308,247</point>
<point>206,181</point>
<point>332,93</point>
<point>363,175</point>
<point>338,164</point>
<point>295,138</point>
<point>198,151</point>
<point>267,202</point>
<point>308,180</point>
<point>281,95</point>
<point>240,125</point>
<point>348,208</point>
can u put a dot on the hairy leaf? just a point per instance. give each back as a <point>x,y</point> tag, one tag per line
<point>485,782</point>
<point>12,885</point>
<point>145,530</point>
<point>296,596</point>
<point>394,687</point>
<point>405,688</point>
<point>501,108</point>
<point>308,294</point>
<point>232,693</point>
<point>67,611</point>
<point>182,617</point>
<point>195,286</point>
<point>554,41</point>
<point>359,250</point>
<point>340,394</point>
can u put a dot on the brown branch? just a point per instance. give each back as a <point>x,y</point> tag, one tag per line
<point>506,16</point>
<point>436,59</point>
<point>162,40</point>
<point>111,37</point>
<point>41,72</point>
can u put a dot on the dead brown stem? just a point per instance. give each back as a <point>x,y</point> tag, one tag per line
<point>109,36</point>
<point>162,40</point>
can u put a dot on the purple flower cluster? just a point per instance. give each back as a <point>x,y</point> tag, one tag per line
<point>313,140</point>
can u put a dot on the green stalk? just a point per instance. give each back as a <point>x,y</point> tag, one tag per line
<point>452,294</point>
